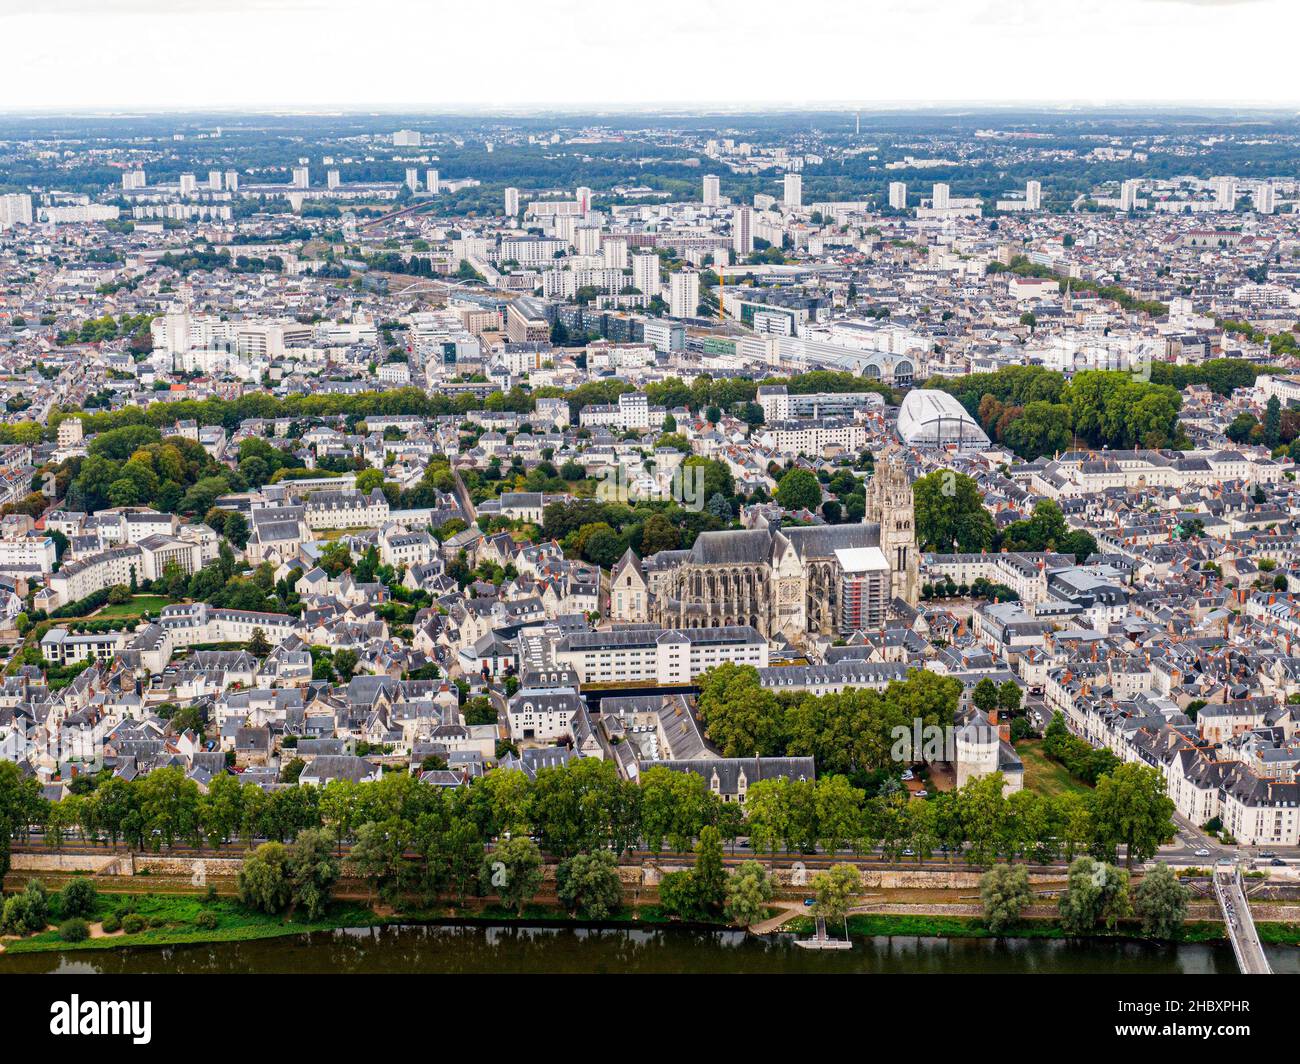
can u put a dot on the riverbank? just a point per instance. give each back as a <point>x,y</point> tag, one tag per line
<point>867,925</point>
<point>176,919</point>
<point>190,919</point>
<point>173,920</point>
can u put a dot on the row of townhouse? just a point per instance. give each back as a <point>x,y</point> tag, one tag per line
<point>1091,473</point>
<point>1026,573</point>
<point>1276,608</point>
<point>1205,775</point>
<point>1255,810</point>
<point>347,508</point>
<point>833,677</point>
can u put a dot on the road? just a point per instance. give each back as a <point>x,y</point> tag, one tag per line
<point>1177,854</point>
<point>462,495</point>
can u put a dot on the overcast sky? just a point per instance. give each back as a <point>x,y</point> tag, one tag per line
<point>155,54</point>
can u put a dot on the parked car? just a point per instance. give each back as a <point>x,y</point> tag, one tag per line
<point>922,793</point>
<point>809,902</point>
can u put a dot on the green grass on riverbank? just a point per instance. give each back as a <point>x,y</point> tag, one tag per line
<point>173,920</point>
<point>869,925</point>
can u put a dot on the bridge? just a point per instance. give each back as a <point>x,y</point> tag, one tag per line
<point>1230,891</point>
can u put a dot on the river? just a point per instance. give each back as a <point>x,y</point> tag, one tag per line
<point>523,948</point>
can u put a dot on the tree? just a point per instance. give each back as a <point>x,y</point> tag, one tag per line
<point>1242,427</point>
<point>20,806</point>
<point>740,715</point>
<point>312,871</point>
<point>719,507</point>
<point>679,895</point>
<point>839,812</point>
<point>1130,808</point>
<point>658,533</point>
<point>950,514</point>
<point>580,808</point>
<point>674,806</point>
<point>799,489</point>
<point>479,710</point>
<point>168,807</point>
<point>514,870</point>
<point>236,529</point>
<point>263,880</point>
<point>259,646</point>
<point>1009,696</point>
<point>749,889</point>
<point>985,695</point>
<point>379,855</point>
<point>710,879</point>
<point>1273,422</point>
<point>589,883</point>
<point>27,912</point>
<point>78,898</point>
<point>834,891</point>
<point>1004,893</point>
<point>345,664</point>
<point>1094,891</point>
<point>1161,901</point>
<point>1038,429</point>
<point>983,812</point>
<point>604,548</point>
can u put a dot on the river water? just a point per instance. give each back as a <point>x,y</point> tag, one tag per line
<point>524,948</point>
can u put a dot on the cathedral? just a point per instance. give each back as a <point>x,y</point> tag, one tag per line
<point>785,582</point>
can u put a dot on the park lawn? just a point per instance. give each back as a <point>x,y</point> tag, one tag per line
<point>333,535</point>
<point>1043,775</point>
<point>150,604</point>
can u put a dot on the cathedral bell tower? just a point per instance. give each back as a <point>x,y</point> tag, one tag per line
<point>890,504</point>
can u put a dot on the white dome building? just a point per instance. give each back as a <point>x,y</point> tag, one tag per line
<point>933,419</point>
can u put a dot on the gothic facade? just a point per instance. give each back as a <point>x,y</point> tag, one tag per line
<point>785,583</point>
